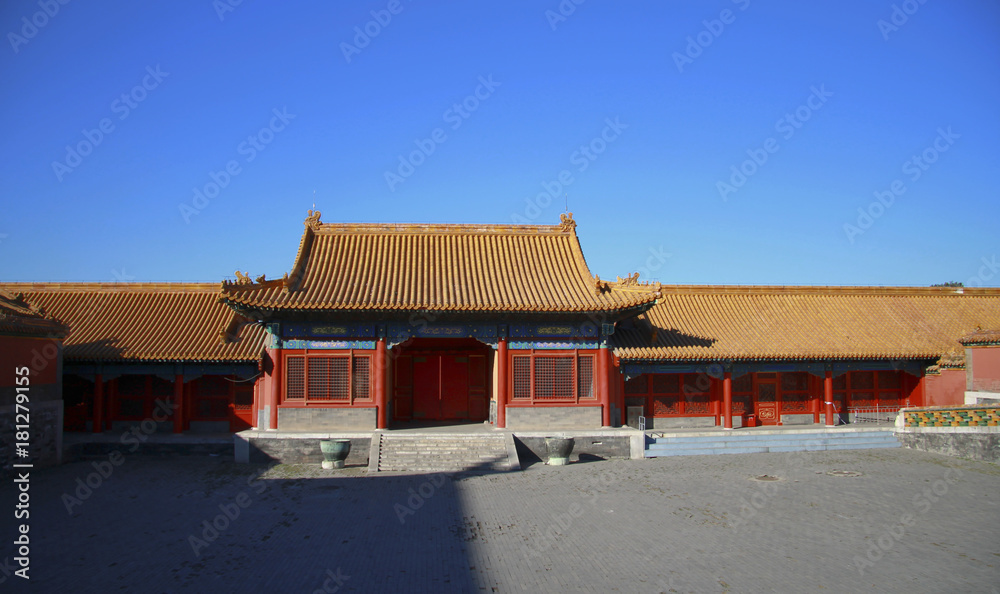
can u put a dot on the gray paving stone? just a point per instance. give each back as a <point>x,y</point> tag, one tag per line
<point>680,524</point>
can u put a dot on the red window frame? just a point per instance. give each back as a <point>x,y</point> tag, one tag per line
<point>302,382</point>
<point>525,383</point>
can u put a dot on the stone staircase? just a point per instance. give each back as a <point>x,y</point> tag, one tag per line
<point>760,441</point>
<point>443,453</point>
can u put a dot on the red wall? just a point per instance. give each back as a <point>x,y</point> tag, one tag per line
<point>38,354</point>
<point>945,389</point>
<point>986,369</point>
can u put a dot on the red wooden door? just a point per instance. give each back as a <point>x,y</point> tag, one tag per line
<point>767,403</point>
<point>241,411</point>
<point>427,387</point>
<point>478,398</point>
<point>402,388</point>
<point>454,387</point>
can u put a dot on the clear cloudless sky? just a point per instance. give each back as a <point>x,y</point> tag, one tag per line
<point>693,90</point>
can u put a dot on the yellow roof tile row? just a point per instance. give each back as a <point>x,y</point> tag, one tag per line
<point>145,321</point>
<point>484,268</point>
<point>752,323</point>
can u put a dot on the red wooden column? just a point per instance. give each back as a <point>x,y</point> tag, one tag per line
<point>618,381</point>
<point>502,373</point>
<point>272,402</point>
<point>727,400</point>
<point>828,397</point>
<point>603,382</point>
<point>380,399</point>
<point>98,421</point>
<point>178,403</point>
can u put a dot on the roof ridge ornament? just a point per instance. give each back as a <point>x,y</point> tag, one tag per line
<point>600,285</point>
<point>242,279</point>
<point>312,221</point>
<point>566,222</point>
<point>631,280</point>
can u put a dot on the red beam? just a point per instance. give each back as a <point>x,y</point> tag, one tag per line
<point>828,397</point>
<point>502,373</point>
<point>603,383</point>
<point>272,404</point>
<point>727,400</point>
<point>178,403</point>
<point>98,420</point>
<point>380,399</point>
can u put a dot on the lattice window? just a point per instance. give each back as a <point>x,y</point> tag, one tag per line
<point>131,407</point>
<point>554,378</point>
<point>522,378</point>
<point>697,383</point>
<point>767,393</point>
<point>295,378</point>
<point>212,385</point>
<point>888,380</point>
<point>637,385</point>
<point>585,378</point>
<point>212,408</point>
<point>862,380</point>
<point>318,379</point>
<point>325,378</point>
<point>243,399</point>
<point>361,380</point>
<point>132,385</point>
<point>666,383</point>
<point>328,378</point>
<point>795,382</point>
<point>549,378</point>
<point>162,387</point>
<point>743,383</point>
<point>840,382</point>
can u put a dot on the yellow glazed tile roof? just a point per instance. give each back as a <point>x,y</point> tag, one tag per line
<point>748,323</point>
<point>145,321</point>
<point>475,268</point>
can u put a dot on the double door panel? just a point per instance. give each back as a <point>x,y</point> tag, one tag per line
<point>441,387</point>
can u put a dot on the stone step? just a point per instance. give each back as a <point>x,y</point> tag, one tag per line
<point>442,453</point>
<point>817,441</point>
<point>693,449</point>
<point>728,437</point>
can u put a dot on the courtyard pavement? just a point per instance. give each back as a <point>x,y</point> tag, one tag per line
<point>858,521</point>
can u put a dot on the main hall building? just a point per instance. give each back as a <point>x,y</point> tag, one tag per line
<point>380,326</point>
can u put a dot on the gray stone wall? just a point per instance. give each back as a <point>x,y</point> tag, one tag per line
<point>974,446</point>
<point>587,448</point>
<point>326,419</point>
<point>681,422</point>
<point>45,415</point>
<point>797,419</point>
<point>303,451</point>
<point>44,435</point>
<point>553,417</point>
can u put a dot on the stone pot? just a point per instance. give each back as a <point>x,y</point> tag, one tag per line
<point>559,450</point>
<point>334,452</point>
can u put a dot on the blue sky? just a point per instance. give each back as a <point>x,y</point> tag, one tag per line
<point>722,142</point>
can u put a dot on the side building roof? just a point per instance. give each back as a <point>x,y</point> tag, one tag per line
<point>149,322</point>
<point>703,323</point>
<point>456,268</point>
<point>20,318</point>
